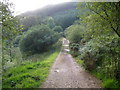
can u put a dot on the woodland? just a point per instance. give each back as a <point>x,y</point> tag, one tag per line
<point>32,40</point>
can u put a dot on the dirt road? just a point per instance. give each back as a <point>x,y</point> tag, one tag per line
<point>66,73</point>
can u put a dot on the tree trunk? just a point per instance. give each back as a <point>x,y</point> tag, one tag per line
<point>10,53</point>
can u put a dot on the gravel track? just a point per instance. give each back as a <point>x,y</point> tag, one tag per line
<point>66,73</point>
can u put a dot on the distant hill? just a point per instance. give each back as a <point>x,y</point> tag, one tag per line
<point>50,10</point>
<point>64,14</point>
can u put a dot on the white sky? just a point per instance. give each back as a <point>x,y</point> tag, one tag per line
<point>28,5</point>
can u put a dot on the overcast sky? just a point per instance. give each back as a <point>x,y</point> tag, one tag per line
<point>28,5</point>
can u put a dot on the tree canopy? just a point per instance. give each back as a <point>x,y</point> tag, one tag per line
<point>38,39</point>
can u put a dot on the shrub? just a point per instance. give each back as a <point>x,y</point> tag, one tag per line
<point>58,29</point>
<point>74,49</point>
<point>89,61</point>
<point>102,56</point>
<point>74,33</point>
<point>38,39</point>
<point>90,54</point>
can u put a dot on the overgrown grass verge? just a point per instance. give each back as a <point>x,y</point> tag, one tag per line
<point>106,82</point>
<point>28,75</point>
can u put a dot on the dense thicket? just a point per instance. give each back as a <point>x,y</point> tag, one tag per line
<point>99,46</point>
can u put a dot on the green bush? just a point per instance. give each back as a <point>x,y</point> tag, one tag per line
<point>58,29</point>
<point>38,39</point>
<point>74,49</point>
<point>74,33</point>
<point>102,57</point>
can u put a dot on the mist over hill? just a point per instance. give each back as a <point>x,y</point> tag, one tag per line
<point>50,10</point>
<point>64,14</point>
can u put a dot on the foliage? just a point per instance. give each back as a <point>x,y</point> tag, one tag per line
<point>29,21</point>
<point>38,39</point>
<point>16,58</point>
<point>99,48</point>
<point>102,31</point>
<point>10,24</point>
<point>10,29</point>
<point>104,14</point>
<point>57,45</point>
<point>74,33</point>
<point>61,15</point>
<point>21,76</point>
<point>66,18</point>
<point>98,40</point>
<point>50,22</point>
<point>58,29</point>
<point>74,49</point>
<point>16,41</point>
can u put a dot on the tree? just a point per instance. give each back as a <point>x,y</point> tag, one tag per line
<point>38,39</point>
<point>16,41</point>
<point>103,37</point>
<point>108,12</point>
<point>58,29</point>
<point>75,33</point>
<point>29,21</point>
<point>10,27</point>
<point>66,18</point>
<point>50,22</point>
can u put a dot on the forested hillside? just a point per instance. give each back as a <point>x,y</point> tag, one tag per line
<point>32,41</point>
<point>63,14</point>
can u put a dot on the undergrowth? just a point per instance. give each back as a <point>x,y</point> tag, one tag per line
<point>106,82</point>
<point>80,62</point>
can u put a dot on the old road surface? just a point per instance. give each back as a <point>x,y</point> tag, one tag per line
<point>66,73</point>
